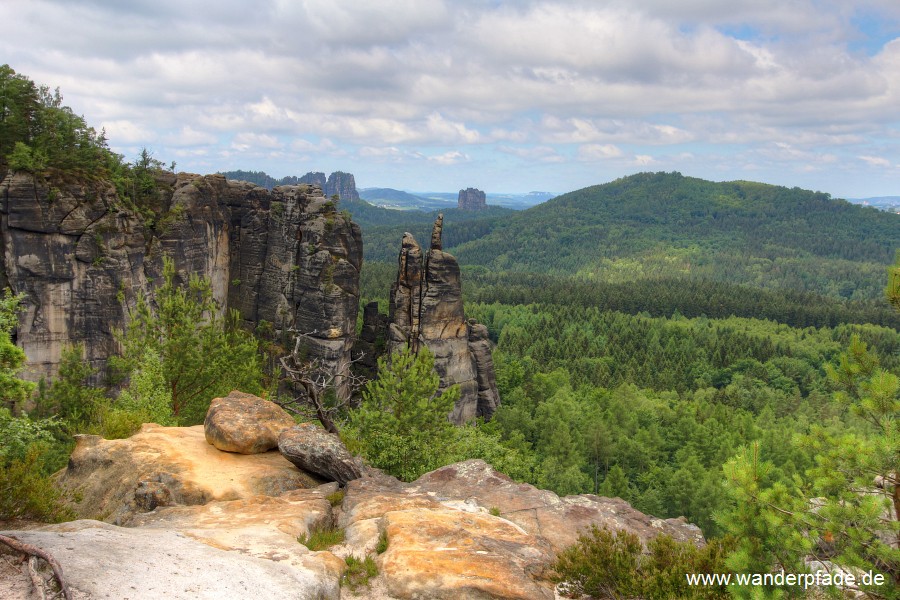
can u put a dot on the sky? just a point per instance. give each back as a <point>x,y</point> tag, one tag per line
<point>439,95</point>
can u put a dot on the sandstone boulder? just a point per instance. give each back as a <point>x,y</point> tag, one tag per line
<point>245,423</point>
<point>314,450</point>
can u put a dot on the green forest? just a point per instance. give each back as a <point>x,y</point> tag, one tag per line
<point>726,352</point>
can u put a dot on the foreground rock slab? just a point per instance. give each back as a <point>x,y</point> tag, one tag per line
<point>165,466</point>
<point>314,450</point>
<point>105,561</point>
<point>245,423</point>
<point>448,553</point>
<point>557,520</point>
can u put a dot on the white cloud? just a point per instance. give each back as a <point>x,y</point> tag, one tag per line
<point>528,82</point>
<point>255,141</point>
<point>599,152</point>
<point>449,158</point>
<point>876,161</point>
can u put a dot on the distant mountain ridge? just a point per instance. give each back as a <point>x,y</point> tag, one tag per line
<point>651,225</point>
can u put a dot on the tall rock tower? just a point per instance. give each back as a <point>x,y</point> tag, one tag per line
<point>426,309</point>
<point>471,199</point>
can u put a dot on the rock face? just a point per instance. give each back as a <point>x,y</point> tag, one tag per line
<point>285,257</point>
<point>426,309</point>
<point>343,185</point>
<point>314,178</point>
<point>471,199</point>
<point>316,451</point>
<point>245,423</point>
<point>104,561</point>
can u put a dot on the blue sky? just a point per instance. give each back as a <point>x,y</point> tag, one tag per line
<point>439,95</point>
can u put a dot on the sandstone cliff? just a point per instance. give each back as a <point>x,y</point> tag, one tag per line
<point>340,184</point>
<point>471,199</point>
<point>426,308</point>
<point>287,257</point>
<point>191,521</point>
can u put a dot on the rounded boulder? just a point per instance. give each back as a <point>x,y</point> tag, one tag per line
<point>245,423</point>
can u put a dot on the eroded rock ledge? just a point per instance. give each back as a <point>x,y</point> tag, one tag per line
<point>229,525</point>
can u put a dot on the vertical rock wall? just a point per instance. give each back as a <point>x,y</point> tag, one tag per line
<point>286,257</point>
<point>471,199</point>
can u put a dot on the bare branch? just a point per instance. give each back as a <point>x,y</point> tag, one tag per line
<point>35,551</point>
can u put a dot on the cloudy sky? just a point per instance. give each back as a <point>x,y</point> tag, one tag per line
<point>436,95</point>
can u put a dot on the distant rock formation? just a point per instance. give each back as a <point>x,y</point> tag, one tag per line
<point>343,185</point>
<point>314,178</point>
<point>426,308</point>
<point>471,199</point>
<point>285,257</point>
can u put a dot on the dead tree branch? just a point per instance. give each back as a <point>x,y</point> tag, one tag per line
<point>30,550</point>
<point>323,391</point>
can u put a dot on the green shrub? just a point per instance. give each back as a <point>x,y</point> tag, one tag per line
<point>401,426</point>
<point>494,511</point>
<point>382,542</point>
<point>322,538</point>
<point>608,564</point>
<point>336,498</point>
<point>25,158</point>
<point>26,492</point>
<point>359,572</point>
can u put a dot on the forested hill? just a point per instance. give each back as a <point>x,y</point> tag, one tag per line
<point>652,225</point>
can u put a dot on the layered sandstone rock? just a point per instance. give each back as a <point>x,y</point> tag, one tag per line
<point>471,199</point>
<point>245,423</point>
<point>286,257</point>
<point>316,451</point>
<point>165,466</point>
<point>426,309</point>
<point>224,535</point>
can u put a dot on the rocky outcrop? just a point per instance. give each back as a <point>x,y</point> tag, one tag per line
<point>286,257</point>
<point>471,199</point>
<point>315,178</point>
<point>245,423</point>
<point>104,561</point>
<point>164,466</point>
<point>316,451</point>
<point>426,309</point>
<point>438,537</point>
<point>342,185</point>
<point>541,512</point>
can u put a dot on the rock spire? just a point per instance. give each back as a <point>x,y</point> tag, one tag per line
<point>426,308</point>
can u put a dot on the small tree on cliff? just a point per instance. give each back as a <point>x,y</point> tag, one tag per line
<point>402,425</point>
<point>201,354</point>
